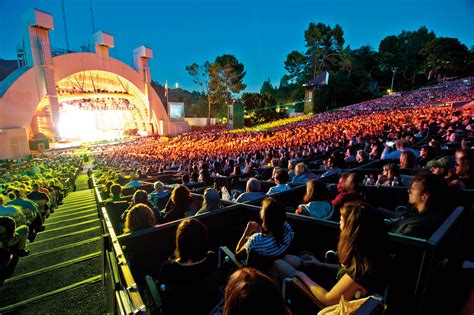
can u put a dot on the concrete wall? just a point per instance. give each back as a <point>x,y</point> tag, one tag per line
<point>13,143</point>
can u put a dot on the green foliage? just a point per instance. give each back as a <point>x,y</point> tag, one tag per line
<point>218,81</point>
<point>444,57</point>
<point>267,88</point>
<point>260,108</point>
<point>409,59</point>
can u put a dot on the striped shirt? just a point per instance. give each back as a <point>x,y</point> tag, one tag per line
<point>267,245</point>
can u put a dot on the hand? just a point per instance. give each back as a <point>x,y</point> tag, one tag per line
<point>252,227</point>
<point>308,260</point>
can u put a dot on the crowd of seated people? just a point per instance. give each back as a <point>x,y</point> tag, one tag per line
<point>29,192</point>
<point>337,141</point>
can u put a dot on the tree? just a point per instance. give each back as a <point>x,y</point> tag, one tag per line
<point>267,88</point>
<point>226,78</point>
<point>260,108</point>
<point>200,74</point>
<point>444,57</point>
<point>219,81</point>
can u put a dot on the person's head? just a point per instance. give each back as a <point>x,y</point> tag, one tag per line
<point>212,199</point>
<point>362,156</point>
<point>185,178</point>
<point>341,182</point>
<point>139,217</point>
<point>441,166</point>
<point>392,170</point>
<point>363,239</point>
<point>426,152</point>
<point>158,186</point>
<point>181,195</point>
<point>427,191</point>
<point>273,217</point>
<point>300,168</point>
<point>253,185</point>
<point>3,199</point>
<point>274,171</point>
<point>250,292</point>
<point>116,190</point>
<point>351,182</point>
<point>464,168</point>
<point>281,176</point>
<point>316,190</point>
<point>407,160</point>
<point>140,196</point>
<point>191,241</point>
<point>35,186</point>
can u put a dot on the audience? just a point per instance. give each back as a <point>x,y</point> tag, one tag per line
<point>363,255</point>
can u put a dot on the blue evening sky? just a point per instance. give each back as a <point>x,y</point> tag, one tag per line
<point>260,33</point>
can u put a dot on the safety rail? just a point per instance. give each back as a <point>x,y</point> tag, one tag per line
<point>123,294</point>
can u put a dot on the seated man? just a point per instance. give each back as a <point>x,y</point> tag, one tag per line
<point>281,177</point>
<point>303,174</point>
<point>159,197</point>
<point>29,208</point>
<point>18,241</point>
<point>426,195</point>
<point>116,191</point>
<point>40,198</point>
<point>252,191</point>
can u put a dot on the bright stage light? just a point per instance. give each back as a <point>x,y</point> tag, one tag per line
<point>77,124</point>
<point>90,126</point>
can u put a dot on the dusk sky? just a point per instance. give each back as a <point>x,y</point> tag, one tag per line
<point>259,33</point>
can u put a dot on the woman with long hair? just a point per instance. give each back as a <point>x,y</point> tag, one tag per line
<point>139,217</point>
<point>273,238</point>
<point>249,292</point>
<point>316,201</point>
<point>363,255</point>
<point>178,205</point>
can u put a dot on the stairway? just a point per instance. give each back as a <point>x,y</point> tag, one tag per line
<point>63,271</point>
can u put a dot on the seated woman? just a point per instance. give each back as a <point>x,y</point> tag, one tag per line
<point>250,292</point>
<point>139,217</point>
<point>192,260</point>
<point>363,254</point>
<point>316,201</point>
<point>272,239</point>
<point>189,278</point>
<point>178,205</point>
<point>389,173</point>
<point>212,201</point>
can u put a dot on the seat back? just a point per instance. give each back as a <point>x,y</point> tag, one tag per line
<point>115,211</point>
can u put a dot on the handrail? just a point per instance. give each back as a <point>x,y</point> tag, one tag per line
<point>130,294</point>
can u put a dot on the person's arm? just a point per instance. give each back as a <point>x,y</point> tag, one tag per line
<point>345,286</point>
<point>252,228</point>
